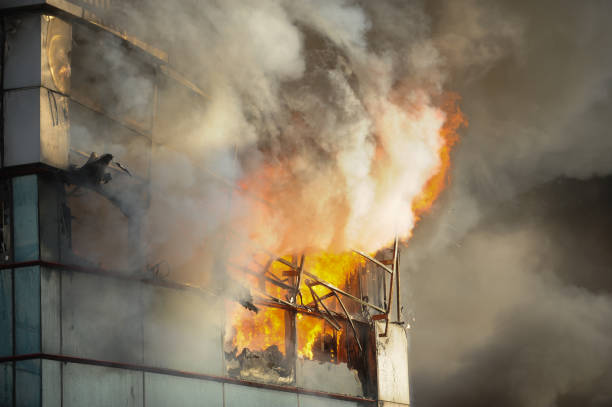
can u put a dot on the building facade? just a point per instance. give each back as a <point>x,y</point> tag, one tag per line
<point>80,323</point>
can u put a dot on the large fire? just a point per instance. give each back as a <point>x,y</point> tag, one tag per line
<point>267,327</point>
<point>297,216</point>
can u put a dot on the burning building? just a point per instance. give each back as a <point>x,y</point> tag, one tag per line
<point>92,314</point>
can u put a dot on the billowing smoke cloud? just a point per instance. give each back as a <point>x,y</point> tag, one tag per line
<point>518,311</point>
<point>327,115</point>
<point>511,289</point>
<point>332,134</point>
<point>534,93</point>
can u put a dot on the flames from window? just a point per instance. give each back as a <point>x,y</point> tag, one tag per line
<point>299,226</point>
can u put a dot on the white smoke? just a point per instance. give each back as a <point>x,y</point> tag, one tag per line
<point>304,90</point>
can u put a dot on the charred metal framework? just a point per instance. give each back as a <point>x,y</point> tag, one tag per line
<point>318,307</point>
<point>353,342</point>
<point>350,342</point>
<point>79,323</point>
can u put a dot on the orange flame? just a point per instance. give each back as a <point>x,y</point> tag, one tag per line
<point>258,331</point>
<point>335,269</point>
<point>267,327</point>
<point>308,329</point>
<point>434,186</point>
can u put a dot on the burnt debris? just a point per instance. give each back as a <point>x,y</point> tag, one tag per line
<point>244,297</point>
<point>92,173</point>
<point>268,365</point>
<point>123,168</point>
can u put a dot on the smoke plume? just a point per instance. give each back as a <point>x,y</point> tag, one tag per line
<point>320,126</point>
<point>509,274</point>
<point>327,116</point>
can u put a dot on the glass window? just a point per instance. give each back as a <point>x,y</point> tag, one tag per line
<point>101,318</point>
<point>240,396</point>
<point>190,322</point>
<point>49,192</point>
<point>164,390</point>
<point>25,207</point>
<point>111,77</point>
<point>97,386</point>
<point>6,313</point>
<point>27,309</point>
<point>28,383</point>
<point>314,401</point>
<point>50,310</point>
<point>5,221</point>
<point>258,346</point>
<point>6,384</point>
<point>51,383</point>
<point>99,231</point>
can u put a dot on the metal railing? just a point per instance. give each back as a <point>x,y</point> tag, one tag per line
<point>318,301</point>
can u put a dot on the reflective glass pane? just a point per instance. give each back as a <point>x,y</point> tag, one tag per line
<point>50,310</point>
<point>164,391</point>
<point>97,386</point>
<point>6,313</point>
<point>27,383</point>
<point>314,401</point>
<point>101,318</point>
<point>240,396</point>
<point>6,384</point>
<point>51,383</point>
<point>27,309</point>
<point>25,208</point>
<point>5,221</point>
<point>50,218</point>
<point>188,322</point>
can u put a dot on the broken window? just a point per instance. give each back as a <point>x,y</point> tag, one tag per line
<point>318,340</point>
<point>323,323</point>
<point>259,346</point>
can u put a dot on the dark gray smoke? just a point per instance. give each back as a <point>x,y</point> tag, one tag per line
<point>517,312</point>
<point>510,274</point>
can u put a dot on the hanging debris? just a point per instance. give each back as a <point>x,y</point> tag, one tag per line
<point>244,297</point>
<point>123,168</point>
<point>92,173</point>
